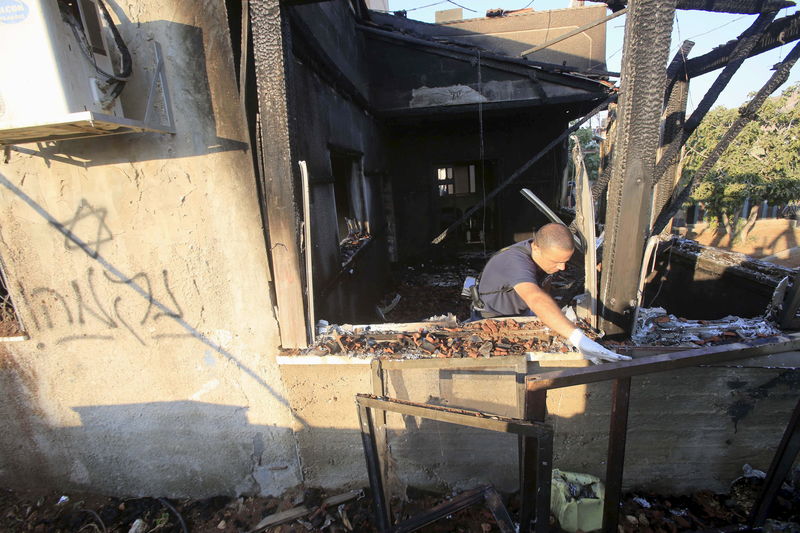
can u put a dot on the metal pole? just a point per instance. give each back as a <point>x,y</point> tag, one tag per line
<point>617,437</point>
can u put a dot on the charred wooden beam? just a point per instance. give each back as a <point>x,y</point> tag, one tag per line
<point>271,53</point>
<point>747,114</point>
<point>647,31</point>
<point>744,46</point>
<point>779,32</point>
<point>750,7</point>
<point>676,96</point>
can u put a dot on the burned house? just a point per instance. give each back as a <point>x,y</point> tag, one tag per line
<point>260,170</point>
<point>404,129</point>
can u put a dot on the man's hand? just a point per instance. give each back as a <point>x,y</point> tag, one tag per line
<point>591,350</point>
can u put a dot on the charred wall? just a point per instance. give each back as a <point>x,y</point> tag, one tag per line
<point>418,149</point>
<point>331,119</point>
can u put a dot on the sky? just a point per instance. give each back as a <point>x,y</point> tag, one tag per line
<point>707,30</point>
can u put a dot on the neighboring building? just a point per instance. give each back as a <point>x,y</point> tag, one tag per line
<point>155,275</point>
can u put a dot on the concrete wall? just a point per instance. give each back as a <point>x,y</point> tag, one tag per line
<point>688,430</point>
<point>515,33</point>
<point>150,365</point>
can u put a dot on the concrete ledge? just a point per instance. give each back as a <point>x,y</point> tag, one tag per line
<point>355,360</point>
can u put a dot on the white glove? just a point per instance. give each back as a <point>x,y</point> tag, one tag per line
<point>591,350</point>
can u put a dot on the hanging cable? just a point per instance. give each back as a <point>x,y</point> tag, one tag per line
<point>117,79</point>
<point>481,152</point>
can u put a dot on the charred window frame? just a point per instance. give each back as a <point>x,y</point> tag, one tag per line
<point>349,186</point>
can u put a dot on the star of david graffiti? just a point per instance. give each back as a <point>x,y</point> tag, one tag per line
<point>88,225</point>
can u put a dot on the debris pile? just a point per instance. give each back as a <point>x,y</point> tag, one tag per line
<point>705,510</point>
<point>307,510</point>
<point>486,338</point>
<point>434,287</point>
<point>352,244</point>
<point>655,327</point>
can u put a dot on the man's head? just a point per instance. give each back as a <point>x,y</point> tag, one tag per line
<point>552,247</point>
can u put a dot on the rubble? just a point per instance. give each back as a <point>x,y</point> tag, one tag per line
<point>350,246</point>
<point>442,338</point>
<point>654,326</point>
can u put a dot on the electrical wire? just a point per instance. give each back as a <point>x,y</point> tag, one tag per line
<point>481,152</point>
<point>126,66</point>
<point>462,7</point>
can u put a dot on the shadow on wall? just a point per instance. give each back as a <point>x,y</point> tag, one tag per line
<point>138,286</point>
<point>190,94</point>
<point>688,430</point>
<point>174,449</point>
<point>686,289</point>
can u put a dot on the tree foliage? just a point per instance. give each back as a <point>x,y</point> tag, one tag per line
<point>591,151</point>
<point>762,163</point>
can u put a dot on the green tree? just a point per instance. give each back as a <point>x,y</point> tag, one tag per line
<point>762,163</point>
<point>591,151</point>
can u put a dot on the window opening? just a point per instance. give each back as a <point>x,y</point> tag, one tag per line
<point>350,194</point>
<point>456,180</point>
<point>458,187</point>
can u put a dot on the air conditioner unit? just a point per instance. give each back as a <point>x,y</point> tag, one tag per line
<point>57,78</point>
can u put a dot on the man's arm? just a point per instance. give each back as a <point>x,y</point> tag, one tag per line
<point>543,305</point>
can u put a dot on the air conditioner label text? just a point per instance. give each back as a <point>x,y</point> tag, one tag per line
<point>13,11</point>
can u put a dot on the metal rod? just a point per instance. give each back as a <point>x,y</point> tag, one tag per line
<point>379,419</point>
<point>499,511</point>
<point>663,362</point>
<point>617,436</point>
<point>380,504</point>
<point>574,32</point>
<point>535,411</point>
<point>546,211</point>
<point>461,417</point>
<point>544,478</point>
<point>462,501</point>
<point>525,166</point>
<point>781,463</point>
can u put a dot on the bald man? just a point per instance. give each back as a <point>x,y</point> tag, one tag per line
<point>510,285</point>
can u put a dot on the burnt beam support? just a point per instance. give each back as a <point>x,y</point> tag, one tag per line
<point>617,438</point>
<point>673,118</point>
<point>746,114</point>
<point>271,53</point>
<point>647,39</point>
<point>744,46</point>
<point>781,31</point>
<point>535,479</point>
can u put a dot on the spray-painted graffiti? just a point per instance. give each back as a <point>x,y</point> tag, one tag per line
<point>88,224</point>
<point>85,314</point>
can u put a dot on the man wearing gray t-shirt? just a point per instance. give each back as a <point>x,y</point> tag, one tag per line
<point>510,285</point>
